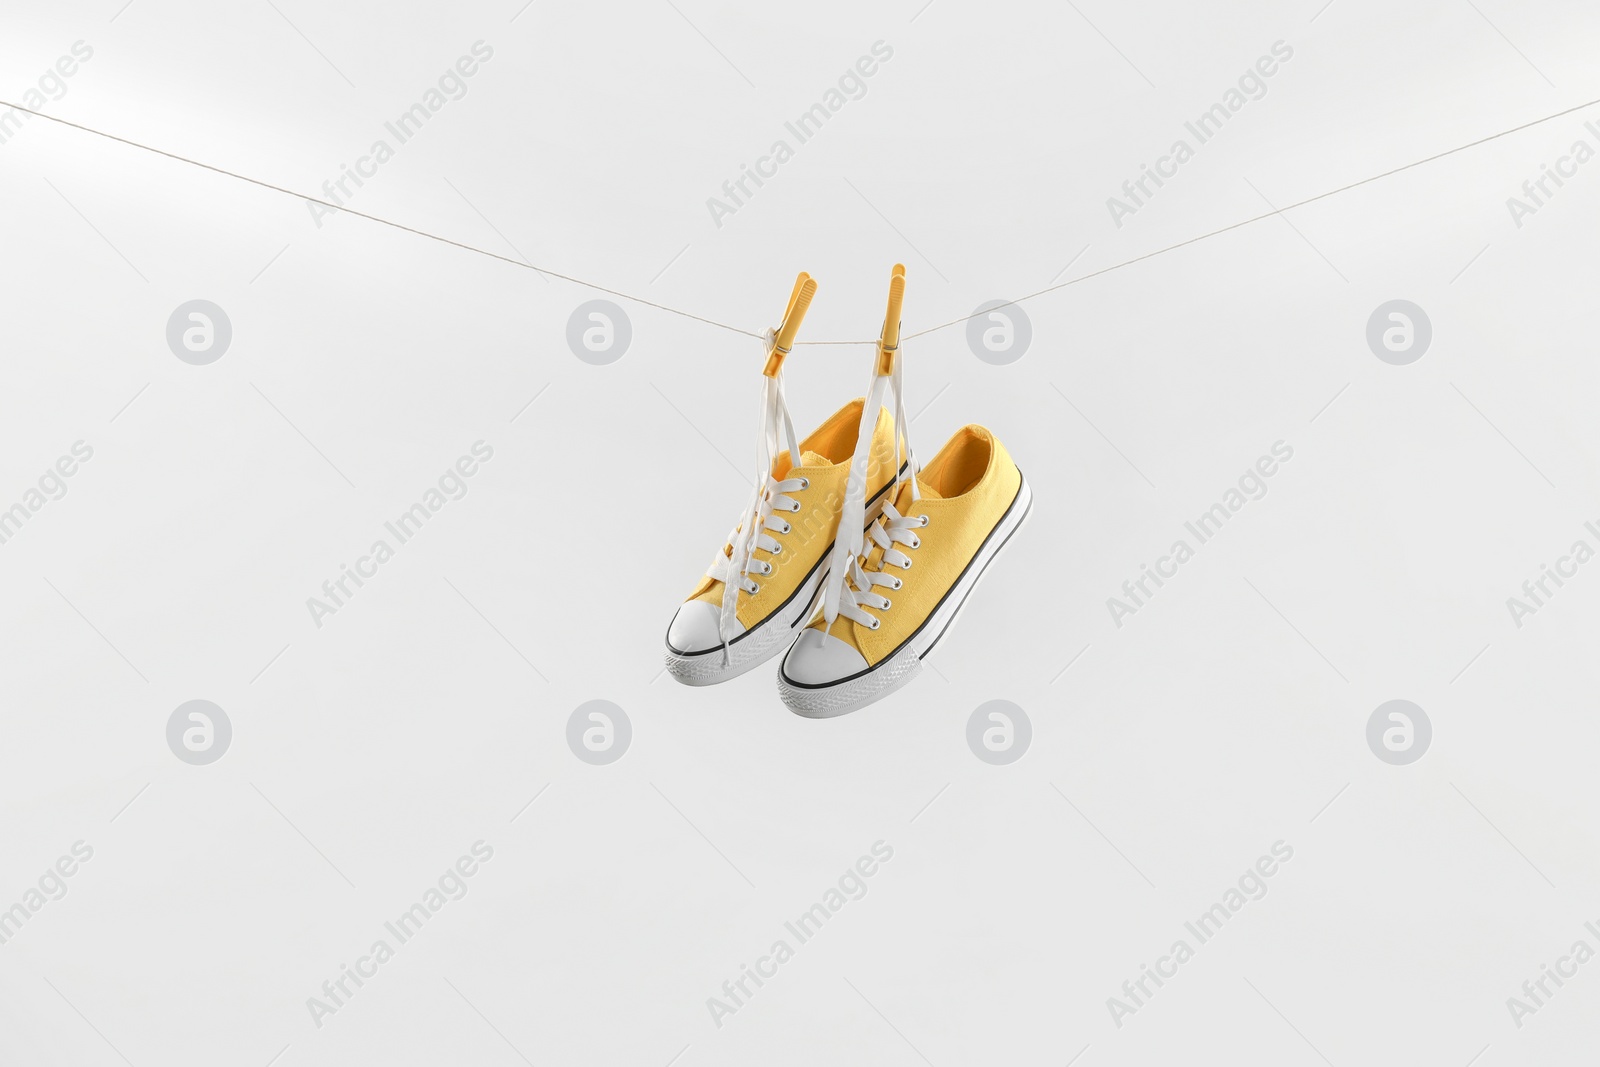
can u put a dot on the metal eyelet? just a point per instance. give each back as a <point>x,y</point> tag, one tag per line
<point>887,603</point>
<point>907,565</point>
<point>917,543</point>
<point>805,483</point>
<point>897,584</point>
<point>777,548</point>
<point>787,527</point>
<point>796,506</point>
<point>924,520</point>
<point>876,623</point>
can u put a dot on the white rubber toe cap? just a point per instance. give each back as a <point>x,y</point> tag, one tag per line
<point>694,628</point>
<point>821,659</point>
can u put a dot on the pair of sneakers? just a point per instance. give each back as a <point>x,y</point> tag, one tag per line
<point>852,557</point>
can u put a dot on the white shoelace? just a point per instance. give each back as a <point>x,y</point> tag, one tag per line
<point>733,569</point>
<point>892,528</point>
<point>845,597</point>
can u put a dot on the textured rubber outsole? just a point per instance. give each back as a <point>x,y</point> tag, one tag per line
<point>770,637</point>
<point>853,694</point>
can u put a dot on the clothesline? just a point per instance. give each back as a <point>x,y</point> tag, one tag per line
<point>758,334</point>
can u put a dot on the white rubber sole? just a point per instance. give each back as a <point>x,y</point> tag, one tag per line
<point>754,647</point>
<point>872,685</point>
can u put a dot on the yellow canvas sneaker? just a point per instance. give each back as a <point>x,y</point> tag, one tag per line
<point>900,588</point>
<point>762,585</point>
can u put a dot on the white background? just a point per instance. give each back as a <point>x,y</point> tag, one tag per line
<point>1229,713</point>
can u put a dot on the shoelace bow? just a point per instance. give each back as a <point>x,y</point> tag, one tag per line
<point>733,566</point>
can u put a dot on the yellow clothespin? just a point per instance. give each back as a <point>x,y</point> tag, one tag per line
<point>889,342</point>
<point>799,300</point>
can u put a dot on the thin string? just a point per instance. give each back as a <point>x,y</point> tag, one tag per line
<point>751,333</point>
<point>1246,222</point>
<point>387,222</point>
